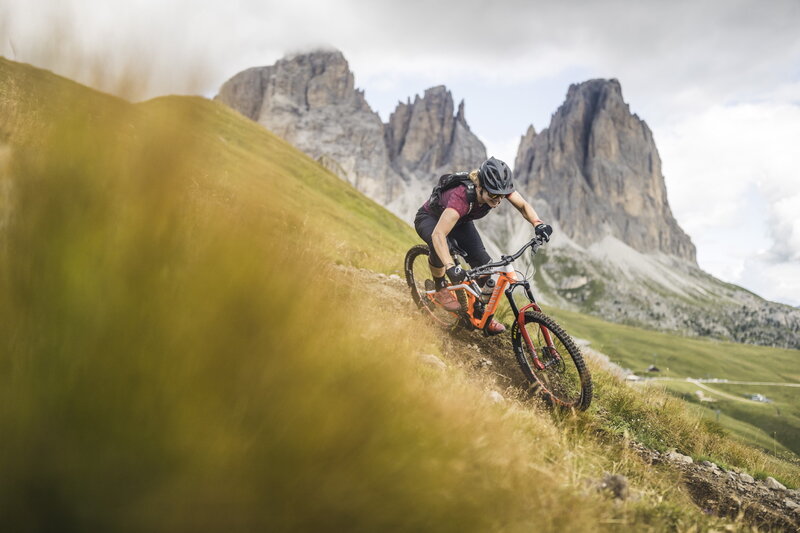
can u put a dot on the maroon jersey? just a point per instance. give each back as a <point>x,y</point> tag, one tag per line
<point>456,198</point>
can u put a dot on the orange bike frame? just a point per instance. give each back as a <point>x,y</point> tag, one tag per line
<point>505,278</point>
<point>523,330</point>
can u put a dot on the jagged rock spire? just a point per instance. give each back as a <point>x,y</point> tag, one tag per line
<point>524,158</point>
<point>311,101</point>
<point>425,137</point>
<point>597,168</point>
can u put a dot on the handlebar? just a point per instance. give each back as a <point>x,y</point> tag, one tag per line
<point>536,242</point>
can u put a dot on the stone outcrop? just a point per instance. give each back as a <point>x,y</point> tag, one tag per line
<point>425,138</point>
<point>524,156</point>
<point>311,101</point>
<point>731,493</point>
<point>598,170</point>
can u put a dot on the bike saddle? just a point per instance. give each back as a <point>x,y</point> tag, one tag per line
<point>455,249</point>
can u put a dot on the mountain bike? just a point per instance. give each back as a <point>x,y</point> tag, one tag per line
<point>547,356</point>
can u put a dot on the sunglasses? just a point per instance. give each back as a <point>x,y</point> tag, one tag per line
<point>492,196</point>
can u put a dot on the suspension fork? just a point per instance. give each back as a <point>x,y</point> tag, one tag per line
<point>520,317</point>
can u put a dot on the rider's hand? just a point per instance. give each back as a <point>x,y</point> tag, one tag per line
<point>456,274</point>
<point>543,231</point>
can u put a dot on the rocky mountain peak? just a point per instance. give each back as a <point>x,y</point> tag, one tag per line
<point>329,79</point>
<point>425,137</point>
<point>311,101</point>
<point>597,91</point>
<point>460,117</point>
<point>598,170</point>
<point>524,157</point>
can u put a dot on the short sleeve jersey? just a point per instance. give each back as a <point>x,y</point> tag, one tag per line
<point>456,198</point>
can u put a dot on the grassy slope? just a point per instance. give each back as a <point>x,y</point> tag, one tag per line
<point>268,173</point>
<point>682,357</point>
<point>752,422</point>
<point>235,161</point>
<point>177,354</point>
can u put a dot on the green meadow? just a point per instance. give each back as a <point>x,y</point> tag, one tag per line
<point>771,426</point>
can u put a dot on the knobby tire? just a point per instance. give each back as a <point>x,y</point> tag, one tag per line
<point>566,382</point>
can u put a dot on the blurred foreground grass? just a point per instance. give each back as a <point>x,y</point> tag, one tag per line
<point>179,352</point>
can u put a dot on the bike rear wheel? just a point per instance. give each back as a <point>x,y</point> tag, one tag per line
<point>557,365</point>
<point>419,280</point>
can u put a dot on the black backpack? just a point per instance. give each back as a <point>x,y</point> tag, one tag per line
<point>446,182</point>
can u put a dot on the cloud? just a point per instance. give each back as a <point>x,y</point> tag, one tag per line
<point>737,194</point>
<point>778,282</point>
<point>681,52</point>
<point>677,51</point>
<point>784,218</point>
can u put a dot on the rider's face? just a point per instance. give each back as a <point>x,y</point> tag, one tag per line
<point>492,199</point>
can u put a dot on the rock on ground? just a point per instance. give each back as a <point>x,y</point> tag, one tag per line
<point>433,361</point>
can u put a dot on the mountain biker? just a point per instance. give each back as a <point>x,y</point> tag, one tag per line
<point>451,213</point>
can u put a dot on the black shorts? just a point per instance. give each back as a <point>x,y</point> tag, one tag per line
<point>463,233</point>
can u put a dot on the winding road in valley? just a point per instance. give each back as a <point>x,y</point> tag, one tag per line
<point>727,382</point>
<point>702,384</point>
<point>720,393</point>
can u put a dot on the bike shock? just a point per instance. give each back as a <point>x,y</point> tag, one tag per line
<point>477,309</point>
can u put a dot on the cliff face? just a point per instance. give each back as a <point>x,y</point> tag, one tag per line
<point>311,101</point>
<point>597,168</point>
<point>425,138</point>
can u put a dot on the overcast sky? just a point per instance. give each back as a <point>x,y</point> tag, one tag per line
<point>718,82</point>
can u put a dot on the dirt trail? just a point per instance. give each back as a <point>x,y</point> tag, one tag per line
<point>724,493</point>
<point>728,382</point>
<point>722,394</point>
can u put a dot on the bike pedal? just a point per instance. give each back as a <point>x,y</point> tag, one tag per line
<point>429,285</point>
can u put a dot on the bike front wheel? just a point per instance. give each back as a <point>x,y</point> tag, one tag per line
<point>550,358</point>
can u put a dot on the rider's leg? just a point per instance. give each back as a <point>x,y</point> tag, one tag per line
<point>425,223</point>
<point>468,239</point>
<point>436,272</point>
